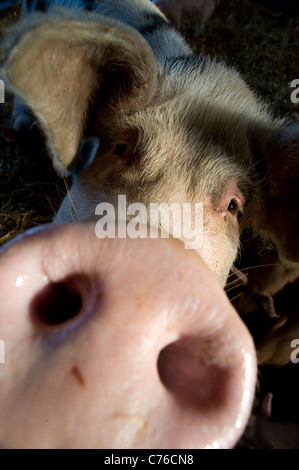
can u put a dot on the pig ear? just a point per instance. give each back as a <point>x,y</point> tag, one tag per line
<point>62,69</point>
<point>277,214</point>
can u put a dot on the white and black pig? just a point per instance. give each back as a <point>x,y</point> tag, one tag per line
<point>123,341</point>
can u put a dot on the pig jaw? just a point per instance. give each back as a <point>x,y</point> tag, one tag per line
<point>156,356</point>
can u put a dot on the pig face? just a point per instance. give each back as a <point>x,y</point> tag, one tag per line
<point>120,89</point>
<point>155,122</point>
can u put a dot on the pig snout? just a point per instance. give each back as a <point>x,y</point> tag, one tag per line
<point>118,343</point>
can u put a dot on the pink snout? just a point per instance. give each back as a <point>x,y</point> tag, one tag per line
<point>118,343</point>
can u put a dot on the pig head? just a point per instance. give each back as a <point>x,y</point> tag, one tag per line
<point>163,128</point>
<point>125,108</point>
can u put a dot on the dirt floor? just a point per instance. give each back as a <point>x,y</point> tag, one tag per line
<point>263,44</point>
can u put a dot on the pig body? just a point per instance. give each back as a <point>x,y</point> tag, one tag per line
<point>136,336</point>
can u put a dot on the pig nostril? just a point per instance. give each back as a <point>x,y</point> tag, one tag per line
<point>192,379</point>
<point>59,302</point>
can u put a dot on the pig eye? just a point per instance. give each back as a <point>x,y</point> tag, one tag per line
<point>120,149</point>
<point>233,207</point>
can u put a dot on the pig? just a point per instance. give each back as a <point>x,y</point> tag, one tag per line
<point>270,434</point>
<point>131,126</point>
<point>119,341</point>
<point>262,276</point>
<point>267,300</point>
<point>175,9</point>
<point>283,383</point>
<point>274,336</point>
